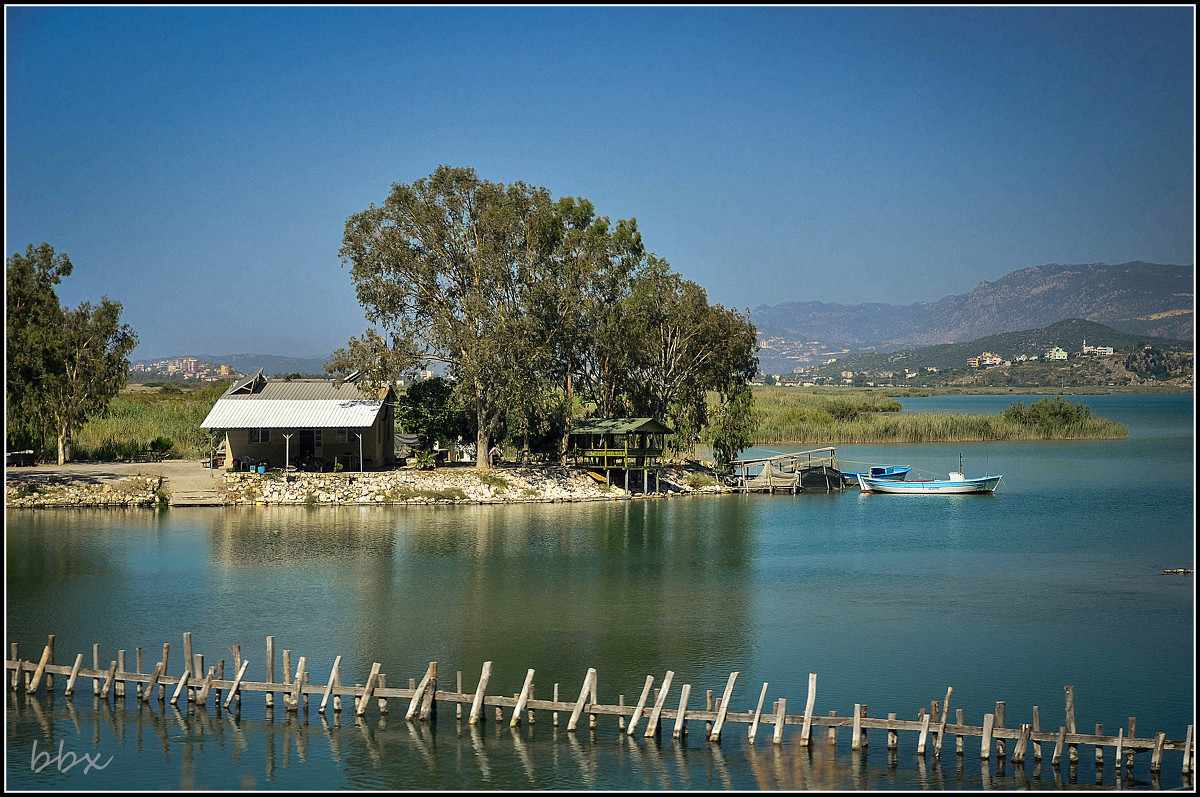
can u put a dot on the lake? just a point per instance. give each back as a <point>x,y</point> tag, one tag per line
<point>1055,580</point>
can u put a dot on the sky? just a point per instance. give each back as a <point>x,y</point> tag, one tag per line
<point>199,164</point>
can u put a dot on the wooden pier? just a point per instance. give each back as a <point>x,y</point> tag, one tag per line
<point>795,472</point>
<point>655,705</point>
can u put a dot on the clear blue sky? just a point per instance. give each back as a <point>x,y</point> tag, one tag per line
<point>199,164</point>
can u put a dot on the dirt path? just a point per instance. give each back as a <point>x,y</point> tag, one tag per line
<point>186,482</point>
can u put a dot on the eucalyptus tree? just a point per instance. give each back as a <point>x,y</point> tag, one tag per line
<point>443,269</point>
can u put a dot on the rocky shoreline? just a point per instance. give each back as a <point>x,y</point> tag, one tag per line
<point>447,485</point>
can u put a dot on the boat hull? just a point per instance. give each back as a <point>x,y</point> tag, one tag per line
<point>986,484</point>
<point>890,473</point>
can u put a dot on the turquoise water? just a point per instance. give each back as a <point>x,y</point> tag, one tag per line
<point>1055,580</point>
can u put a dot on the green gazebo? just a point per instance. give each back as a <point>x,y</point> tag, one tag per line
<point>623,444</point>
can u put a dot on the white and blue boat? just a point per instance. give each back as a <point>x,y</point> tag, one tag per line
<point>893,473</point>
<point>957,484</point>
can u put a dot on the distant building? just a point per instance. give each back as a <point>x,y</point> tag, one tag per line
<point>1096,349</point>
<point>1056,354</point>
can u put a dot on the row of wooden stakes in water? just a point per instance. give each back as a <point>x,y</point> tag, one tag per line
<point>424,695</point>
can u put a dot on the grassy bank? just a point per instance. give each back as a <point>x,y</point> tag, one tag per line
<point>790,415</point>
<point>136,419</point>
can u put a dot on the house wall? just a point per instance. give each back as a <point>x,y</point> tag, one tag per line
<point>377,445</point>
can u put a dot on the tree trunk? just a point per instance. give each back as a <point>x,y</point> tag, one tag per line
<point>64,445</point>
<point>481,435</point>
<point>525,451</point>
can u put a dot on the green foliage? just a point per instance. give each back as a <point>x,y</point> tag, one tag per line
<point>493,480</point>
<point>698,480</point>
<point>171,390</point>
<point>162,499</point>
<point>428,408</point>
<point>1050,415</point>
<point>131,418</point>
<point>425,460</point>
<point>337,467</point>
<point>310,499</point>
<point>733,426</point>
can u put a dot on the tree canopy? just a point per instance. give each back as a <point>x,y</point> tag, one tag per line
<point>541,310</point>
<point>63,365</point>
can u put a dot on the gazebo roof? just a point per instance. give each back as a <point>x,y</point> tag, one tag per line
<point>622,426</point>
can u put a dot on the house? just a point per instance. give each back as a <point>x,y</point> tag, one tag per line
<point>621,444</point>
<point>1055,354</point>
<point>305,421</point>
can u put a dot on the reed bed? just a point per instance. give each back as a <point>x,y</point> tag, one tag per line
<point>133,421</point>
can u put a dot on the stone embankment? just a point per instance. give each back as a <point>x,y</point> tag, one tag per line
<point>454,485</point>
<point>70,492</point>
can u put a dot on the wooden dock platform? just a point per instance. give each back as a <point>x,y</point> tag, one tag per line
<point>795,472</point>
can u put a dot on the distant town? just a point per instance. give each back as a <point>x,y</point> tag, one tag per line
<point>183,368</point>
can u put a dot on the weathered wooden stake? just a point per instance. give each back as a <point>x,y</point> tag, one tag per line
<point>108,680</point>
<point>154,676</point>
<point>641,705</point>
<point>680,722</point>
<point>183,681</point>
<point>924,733</point>
<point>236,692</point>
<point>202,692</point>
<point>521,700</point>
<point>428,706</point>
<point>365,697</point>
<point>50,676</point>
<point>189,662</point>
<point>1001,747</point>
<point>16,676</point>
<point>1058,746</point>
<point>862,732</point>
<point>985,747</point>
<point>293,704</point>
<point>198,669</point>
<point>119,687</point>
<point>458,705</point>
<point>555,698</point>
<point>414,705</point>
<point>715,736</point>
<point>1037,727</point>
<point>329,686</point>
<point>383,706</point>
<point>855,741</point>
<point>708,706</point>
<point>621,715</point>
<point>270,669</point>
<point>833,729</point>
<point>1099,747</point>
<point>1156,756</point>
<point>757,714</point>
<point>162,688</point>
<point>1022,741</point>
<point>1120,744</point>
<point>70,690</point>
<point>893,738</point>
<point>958,739</point>
<point>477,704</point>
<point>138,686</point>
<point>660,702</point>
<point>1072,749</point>
<point>780,715</point>
<point>1187,752</point>
<point>806,729</point>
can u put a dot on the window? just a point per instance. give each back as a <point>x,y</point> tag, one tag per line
<point>260,435</point>
<point>345,436</point>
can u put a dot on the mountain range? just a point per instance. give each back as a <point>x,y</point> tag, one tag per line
<point>1137,298</point>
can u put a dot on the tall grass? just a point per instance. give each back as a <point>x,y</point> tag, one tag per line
<point>792,416</point>
<point>132,421</point>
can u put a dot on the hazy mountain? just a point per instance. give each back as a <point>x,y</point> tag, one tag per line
<point>1139,298</point>
<point>1068,335</point>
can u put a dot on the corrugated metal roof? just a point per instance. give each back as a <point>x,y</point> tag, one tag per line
<point>257,412</point>
<point>305,389</point>
<point>621,426</point>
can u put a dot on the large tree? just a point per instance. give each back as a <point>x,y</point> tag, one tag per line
<point>64,365</point>
<point>442,268</point>
<point>31,316</point>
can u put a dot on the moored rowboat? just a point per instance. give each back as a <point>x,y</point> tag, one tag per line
<point>957,484</point>
<point>895,473</point>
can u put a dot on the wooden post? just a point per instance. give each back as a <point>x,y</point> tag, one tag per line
<point>680,723</point>
<point>108,680</point>
<point>715,736</point>
<point>162,688</point>
<point>780,718</point>
<point>295,697</point>
<point>1037,727</point>
<point>119,687</point>
<point>458,704</point>
<point>532,697</point>
<point>414,705</point>
<point>287,679</point>
<point>198,671</point>
<point>1187,752</point>
<point>1132,735</point>
<point>154,676</point>
<point>660,702</point>
<point>855,741</point>
<point>138,687</point>
<point>985,747</point>
<point>41,669</point>
<point>806,729</point>
<point>1120,741</point>
<point>641,704</point>
<point>833,729</point>
<point>237,683</point>
<point>1073,749</point>
<point>220,677</point>
<point>202,692</point>
<point>958,739</point>
<point>1001,748</point>
<point>1099,747</point>
<point>428,705</point>
<point>183,681</point>
<point>555,698</point>
<point>924,733</point>
<point>189,662</point>
<point>270,669</point>
<point>583,695</point>
<point>893,738</point>
<point>70,690</point>
<point>96,666</point>
<point>708,706</point>
<point>862,732</point>
<point>383,707</point>
<point>337,681</point>
<point>1022,742</point>
<point>49,676</point>
<point>620,715</point>
<point>1058,746</point>
<point>1156,756</point>
<point>16,676</point>
<point>757,714</point>
<point>365,696</point>
<point>477,703</point>
<point>329,686</point>
<point>941,735</point>
<point>521,700</point>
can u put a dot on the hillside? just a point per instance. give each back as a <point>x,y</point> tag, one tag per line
<point>1137,298</point>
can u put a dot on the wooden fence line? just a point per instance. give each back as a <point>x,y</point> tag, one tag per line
<point>196,687</point>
